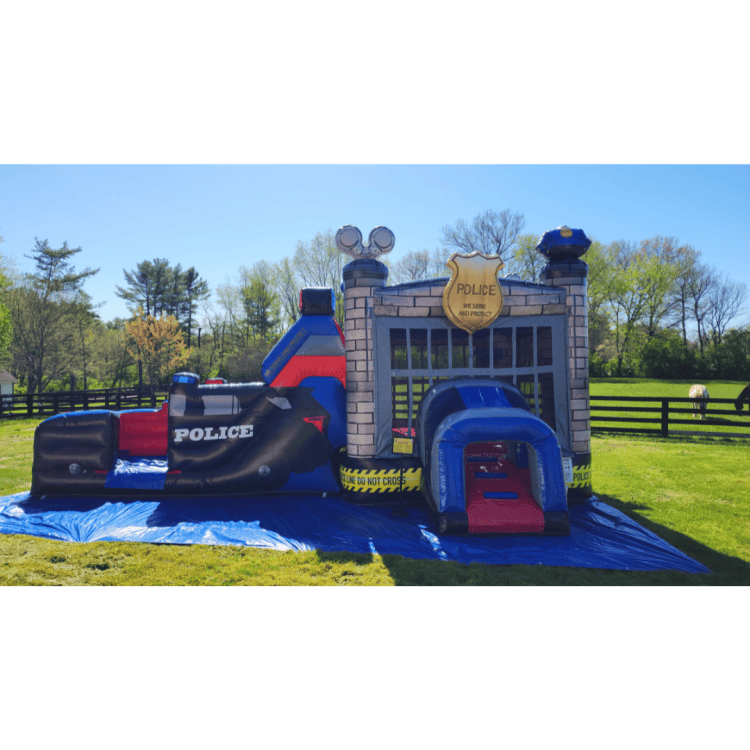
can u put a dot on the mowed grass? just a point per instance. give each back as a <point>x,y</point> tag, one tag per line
<point>694,494</point>
<point>714,420</point>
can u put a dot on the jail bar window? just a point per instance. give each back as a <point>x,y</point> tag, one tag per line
<point>421,357</point>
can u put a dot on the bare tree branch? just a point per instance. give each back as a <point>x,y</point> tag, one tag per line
<point>490,233</point>
<point>727,297</point>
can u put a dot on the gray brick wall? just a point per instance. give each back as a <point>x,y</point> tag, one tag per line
<point>575,291</point>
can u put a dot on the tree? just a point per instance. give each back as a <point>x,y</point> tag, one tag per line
<point>245,364</point>
<point>194,290</point>
<point>56,277</point>
<point>160,289</point>
<point>110,358</point>
<point>320,263</point>
<point>526,260</point>
<point>664,262</point>
<point>731,358</point>
<point>626,295</point>
<point>6,328</point>
<point>727,297</point>
<point>44,309</point>
<point>287,290</point>
<point>600,259</point>
<point>157,343</point>
<point>152,286</point>
<point>247,310</point>
<point>83,323</point>
<point>664,356</point>
<point>213,346</point>
<point>417,265</point>
<point>140,291</point>
<point>634,292</point>
<point>162,279</point>
<point>260,303</point>
<point>698,288</point>
<point>679,297</point>
<point>229,319</point>
<point>490,233</point>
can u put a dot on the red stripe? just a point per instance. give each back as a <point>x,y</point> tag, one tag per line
<point>300,367</point>
<point>341,333</point>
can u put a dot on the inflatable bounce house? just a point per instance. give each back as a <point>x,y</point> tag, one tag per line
<point>468,392</point>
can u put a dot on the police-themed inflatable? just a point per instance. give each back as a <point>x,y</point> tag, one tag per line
<point>282,435</point>
<point>483,461</point>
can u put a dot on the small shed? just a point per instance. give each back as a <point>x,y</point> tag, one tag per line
<point>7,383</point>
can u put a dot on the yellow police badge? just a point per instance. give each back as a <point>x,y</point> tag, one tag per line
<point>473,299</point>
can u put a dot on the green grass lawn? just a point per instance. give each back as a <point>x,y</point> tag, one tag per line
<point>695,494</point>
<point>714,422</point>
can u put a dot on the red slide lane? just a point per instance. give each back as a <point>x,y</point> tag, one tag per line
<point>518,514</point>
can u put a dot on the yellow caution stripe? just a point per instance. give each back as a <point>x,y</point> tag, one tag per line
<point>383,480</point>
<point>581,476</point>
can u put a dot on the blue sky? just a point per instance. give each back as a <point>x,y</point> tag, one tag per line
<point>220,217</point>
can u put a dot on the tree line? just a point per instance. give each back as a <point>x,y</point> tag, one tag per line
<point>53,338</point>
<point>655,309</point>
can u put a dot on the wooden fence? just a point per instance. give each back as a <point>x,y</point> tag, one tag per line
<point>56,402</point>
<point>662,413</point>
<point>665,412</point>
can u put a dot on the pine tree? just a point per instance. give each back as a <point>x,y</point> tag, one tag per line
<point>194,289</point>
<point>44,311</point>
<point>160,289</point>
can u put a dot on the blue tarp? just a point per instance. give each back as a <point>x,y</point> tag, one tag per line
<point>601,537</point>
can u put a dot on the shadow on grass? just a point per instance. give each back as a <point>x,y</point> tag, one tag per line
<point>727,570</point>
<point>721,420</point>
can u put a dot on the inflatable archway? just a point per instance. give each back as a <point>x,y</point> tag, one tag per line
<point>490,464</point>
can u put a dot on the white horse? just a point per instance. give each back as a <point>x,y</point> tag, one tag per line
<point>699,394</point>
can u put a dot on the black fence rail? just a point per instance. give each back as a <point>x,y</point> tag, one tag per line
<point>57,402</point>
<point>666,412</point>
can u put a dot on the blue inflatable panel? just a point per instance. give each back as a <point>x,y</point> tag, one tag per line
<point>65,414</point>
<point>321,479</point>
<point>142,474</point>
<point>485,396</point>
<point>332,395</point>
<point>601,537</point>
<point>293,340</point>
<point>461,428</point>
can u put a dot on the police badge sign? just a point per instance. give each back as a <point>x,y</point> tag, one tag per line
<point>472,299</point>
